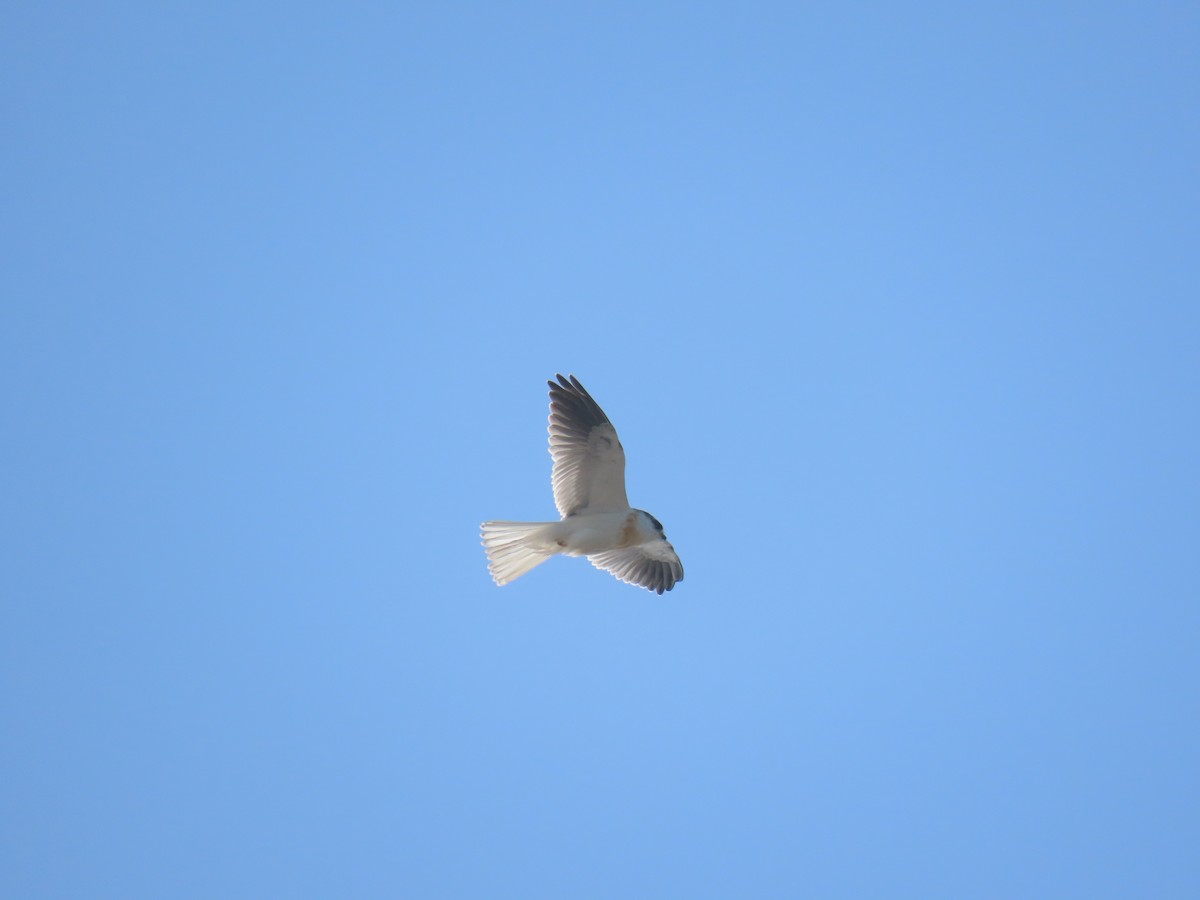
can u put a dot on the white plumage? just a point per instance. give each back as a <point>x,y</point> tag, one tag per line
<point>589,491</point>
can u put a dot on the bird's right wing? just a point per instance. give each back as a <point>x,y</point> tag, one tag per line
<point>654,565</point>
<point>589,461</point>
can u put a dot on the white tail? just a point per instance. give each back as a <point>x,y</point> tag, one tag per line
<point>513,548</point>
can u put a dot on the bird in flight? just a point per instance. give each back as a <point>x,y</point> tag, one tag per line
<point>589,491</point>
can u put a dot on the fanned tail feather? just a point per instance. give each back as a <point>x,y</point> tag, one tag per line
<point>513,548</point>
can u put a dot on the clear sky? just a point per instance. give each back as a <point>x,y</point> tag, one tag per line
<point>896,309</point>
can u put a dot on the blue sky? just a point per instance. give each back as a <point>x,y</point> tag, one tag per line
<point>895,308</point>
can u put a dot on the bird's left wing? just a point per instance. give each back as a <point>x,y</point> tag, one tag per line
<point>654,565</point>
<point>589,461</point>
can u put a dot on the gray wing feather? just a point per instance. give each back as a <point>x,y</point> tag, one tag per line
<point>589,461</point>
<point>654,566</point>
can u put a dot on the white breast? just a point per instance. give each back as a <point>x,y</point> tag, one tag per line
<point>586,533</point>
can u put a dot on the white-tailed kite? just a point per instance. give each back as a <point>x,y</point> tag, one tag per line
<point>589,491</point>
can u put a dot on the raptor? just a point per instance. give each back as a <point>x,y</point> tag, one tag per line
<point>589,491</point>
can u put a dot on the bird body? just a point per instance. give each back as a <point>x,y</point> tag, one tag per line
<point>589,491</point>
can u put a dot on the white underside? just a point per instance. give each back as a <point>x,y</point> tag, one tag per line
<point>513,548</point>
